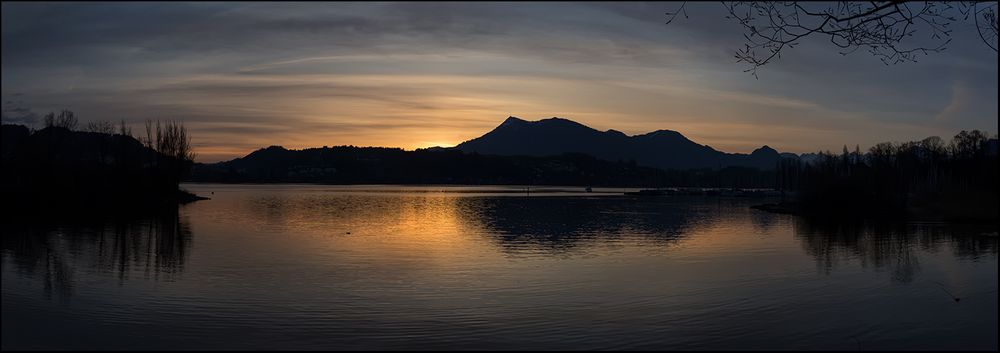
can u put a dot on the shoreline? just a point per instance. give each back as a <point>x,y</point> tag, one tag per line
<point>908,215</point>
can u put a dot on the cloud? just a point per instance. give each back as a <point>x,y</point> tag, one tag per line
<point>959,104</point>
<point>402,74</point>
<point>16,112</point>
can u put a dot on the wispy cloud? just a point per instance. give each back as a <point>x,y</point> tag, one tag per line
<point>248,75</point>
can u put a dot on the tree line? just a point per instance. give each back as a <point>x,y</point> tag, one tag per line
<point>380,165</point>
<point>957,178</point>
<point>63,167</point>
<point>169,138</point>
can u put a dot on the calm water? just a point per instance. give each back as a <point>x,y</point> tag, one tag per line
<point>370,267</point>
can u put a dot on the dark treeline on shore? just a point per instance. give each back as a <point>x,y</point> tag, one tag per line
<point>60,167</point>
<point>105,164</point>
<point>379,165</point>
<point>926,179</point>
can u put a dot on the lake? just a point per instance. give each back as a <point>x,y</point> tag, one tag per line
<point>425,267</point>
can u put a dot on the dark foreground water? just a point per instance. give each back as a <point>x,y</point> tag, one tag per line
<point>318,267</point>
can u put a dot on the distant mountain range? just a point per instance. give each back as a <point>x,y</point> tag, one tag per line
<point>551,151</point>
<point>663,149</point>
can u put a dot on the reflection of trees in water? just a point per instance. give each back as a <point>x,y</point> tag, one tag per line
<point>559,224</point>
<point>551,224</point>
<point>763,221</point>
<point>892,245</point>
<point>154,245</point>
<point>977,243</point>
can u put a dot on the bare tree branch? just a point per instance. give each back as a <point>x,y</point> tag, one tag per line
<point>881,27</point>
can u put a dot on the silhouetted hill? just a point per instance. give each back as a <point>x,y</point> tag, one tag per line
<point>551,151</point>
<point>379,165</point>
<point>663,149</point>
<point>56,168</point>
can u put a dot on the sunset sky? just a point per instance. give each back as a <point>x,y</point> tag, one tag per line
<point>248,75</point>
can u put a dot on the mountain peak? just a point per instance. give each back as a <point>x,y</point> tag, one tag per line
<point>267,151</point>
<point>764,150</point>
<point>512,120</point>
<point>554,136</point>
<point>665,132</point>
<point>549,123</point>
<point>615,132</point>
<point>557,121</point>
<point>669,134</point>
<point>270,153</point>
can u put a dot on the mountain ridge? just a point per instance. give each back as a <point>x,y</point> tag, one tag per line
<point>665,149</point>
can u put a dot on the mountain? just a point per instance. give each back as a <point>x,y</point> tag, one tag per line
<point>551,151</point>
<point>381,165</point>
<point>663,149</point>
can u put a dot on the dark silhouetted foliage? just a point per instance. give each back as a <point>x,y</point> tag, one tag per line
<point>378,165</point>
<point>926,179</point>
<point>56,168</point>
<point>66,119</point>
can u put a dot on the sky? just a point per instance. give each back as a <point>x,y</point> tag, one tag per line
<point>243,76</point>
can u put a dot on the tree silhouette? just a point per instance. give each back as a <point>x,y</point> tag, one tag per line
<point>100,168</point>
<point>880,27</point>
<point>100,126</point>
<point>65,119</point>
<point>172,140</point>
<point>124,129</point>
<point>952,180</point>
